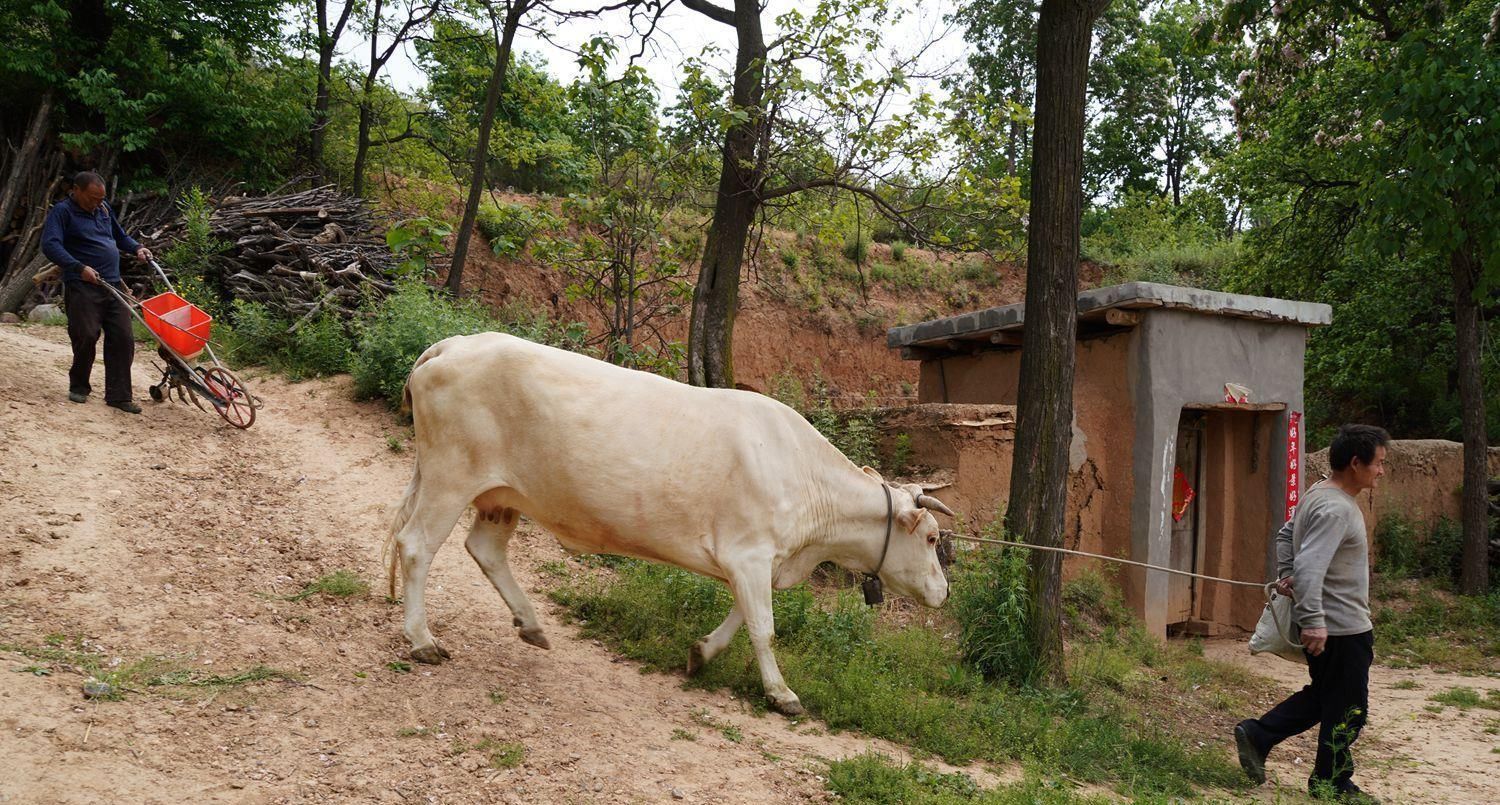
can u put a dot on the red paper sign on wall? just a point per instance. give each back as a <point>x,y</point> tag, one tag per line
<point>1293,462</point>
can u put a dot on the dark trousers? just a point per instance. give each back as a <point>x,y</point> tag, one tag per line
<point>92,309</point>
<point>1337,700</point>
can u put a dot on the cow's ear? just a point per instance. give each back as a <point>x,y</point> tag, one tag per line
<point>909,519</point>
<point>870,471</point>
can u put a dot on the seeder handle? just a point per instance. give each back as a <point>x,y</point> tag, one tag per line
<point>160,272</point>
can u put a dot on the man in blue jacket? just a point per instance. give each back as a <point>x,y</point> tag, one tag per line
<point>83,238</point>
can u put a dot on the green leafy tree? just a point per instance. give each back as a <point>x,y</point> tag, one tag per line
<point>1372,128</point>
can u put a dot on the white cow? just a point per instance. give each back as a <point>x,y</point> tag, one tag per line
<point>729,484</point>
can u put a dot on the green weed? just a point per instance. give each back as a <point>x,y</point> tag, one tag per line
<point>339,584</point>
<point>1406,684</point>
<point>1465,698</point>
<point>875,779</point>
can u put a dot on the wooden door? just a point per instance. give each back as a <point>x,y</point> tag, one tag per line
<point>1186,527</point>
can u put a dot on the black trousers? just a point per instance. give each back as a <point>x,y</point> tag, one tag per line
<point>1337,700</point>
<point>92,309</point>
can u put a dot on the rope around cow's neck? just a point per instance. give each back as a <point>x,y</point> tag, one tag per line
<point>1267,587</point>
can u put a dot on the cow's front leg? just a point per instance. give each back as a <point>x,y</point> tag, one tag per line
<point>709,647</point>
<point>752,597</point>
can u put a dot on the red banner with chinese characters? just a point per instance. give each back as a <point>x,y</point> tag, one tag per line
<point>1293,462</point>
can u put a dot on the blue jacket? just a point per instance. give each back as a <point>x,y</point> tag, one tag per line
<point>73,239</point>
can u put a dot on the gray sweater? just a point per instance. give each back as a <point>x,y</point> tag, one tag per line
<point>1324,549</point>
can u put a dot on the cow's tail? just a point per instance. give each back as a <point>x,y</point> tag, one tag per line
<point>390,555</point>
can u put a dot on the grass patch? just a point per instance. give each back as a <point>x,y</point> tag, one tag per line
<point>730,732</point>
<point>339,584</point>
<point>1406,684</point>
<point>399,666</point>
<point>63,653</point>
<point>502,755</point>
<point>680,734</point>
<point>496,696</point>
<point>876,779</point>
<point>1431,627</point>
<point>414,732</point>
<point>911,685</point>
<point>1465,698</point>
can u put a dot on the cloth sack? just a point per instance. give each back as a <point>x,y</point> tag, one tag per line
<point>1276,633</point>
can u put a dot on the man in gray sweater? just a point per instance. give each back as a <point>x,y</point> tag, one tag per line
<point>1323,561</point>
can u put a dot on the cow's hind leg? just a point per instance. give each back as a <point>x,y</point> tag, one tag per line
<point>752,598</point>
<point>709,647</point>
<point>487,543</point>
<point>432,519</point>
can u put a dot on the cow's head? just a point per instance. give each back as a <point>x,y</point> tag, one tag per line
<point>911,565</point>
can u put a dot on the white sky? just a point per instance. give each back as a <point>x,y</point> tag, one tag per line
<point>682,34</point>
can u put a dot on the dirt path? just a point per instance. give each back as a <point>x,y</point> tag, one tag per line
<point>163,534</point>
<point>1407,753</point>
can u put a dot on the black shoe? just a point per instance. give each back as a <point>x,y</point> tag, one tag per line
<point>127,406</point>
<point>74,396</point>
<point>1252,760</point>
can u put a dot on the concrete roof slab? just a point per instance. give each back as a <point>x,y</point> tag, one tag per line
<point>1130,296</point>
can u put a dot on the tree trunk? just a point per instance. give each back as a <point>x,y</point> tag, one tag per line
<point>327,42</point>
<point>17,289</point>
<point>1474,576</point>
<point>19,176</point>
<point>716,295</point>
<point>479,176</point>
<point>1044,415</point>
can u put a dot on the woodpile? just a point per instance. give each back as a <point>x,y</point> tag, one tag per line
<point>299,254</point>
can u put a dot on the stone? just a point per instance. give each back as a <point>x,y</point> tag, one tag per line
<point>95,689</point>
<point>9,318</point>
<point>46,314</point>
<point>677,794</point>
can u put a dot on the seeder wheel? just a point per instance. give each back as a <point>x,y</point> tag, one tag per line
<point>231,399</point>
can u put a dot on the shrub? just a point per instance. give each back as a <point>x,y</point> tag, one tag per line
<point>404,324</point>
<point>901,454</point>
<point>320,347</point>
<point>853,433</point>
<point>898,250</point>
<point>509,227</point>
<point>789,260</point>
<point>989,602</point>
<point>1441,554</point>
<point>317,348</point>
<point>857,247</point>
<point>1396,547</point>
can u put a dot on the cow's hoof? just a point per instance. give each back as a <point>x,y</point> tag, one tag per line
<point>535,637</point>
<point>789,706</point>
<point>431,655</point>
<point>695,660</point>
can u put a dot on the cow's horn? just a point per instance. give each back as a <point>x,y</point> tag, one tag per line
<point>930,502</point>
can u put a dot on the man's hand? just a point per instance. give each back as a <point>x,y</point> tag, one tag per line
<point>1284,586</point>
<point>90,275</point>
<point>143,254</point>
<point>1314,640</point>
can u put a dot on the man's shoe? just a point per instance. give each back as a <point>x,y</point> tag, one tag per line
<point>74,396</point>
<point>127,406</point>
<point>1252,760</point>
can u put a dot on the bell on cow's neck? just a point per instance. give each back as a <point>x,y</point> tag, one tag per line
<point>874,594</point>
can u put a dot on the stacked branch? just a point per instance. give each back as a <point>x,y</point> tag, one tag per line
<point>300,254</point>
